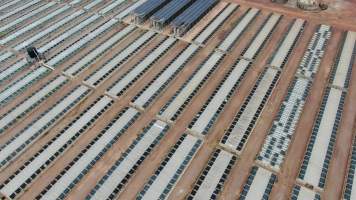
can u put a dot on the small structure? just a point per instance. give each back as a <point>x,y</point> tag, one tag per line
<point>33,54</point>
<point>308,4</point>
